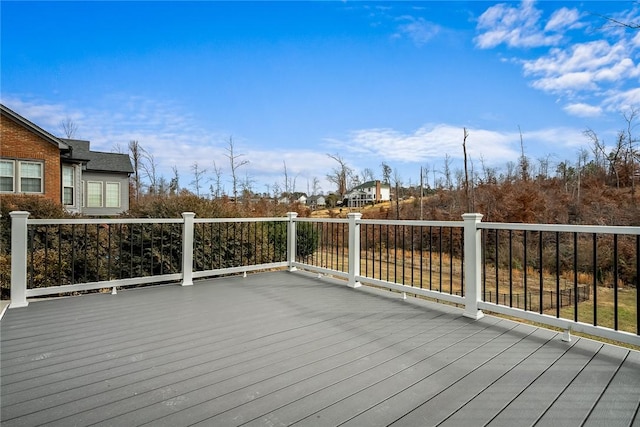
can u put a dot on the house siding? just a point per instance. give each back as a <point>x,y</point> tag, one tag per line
<point>18,143</point>
<point>122,179</point>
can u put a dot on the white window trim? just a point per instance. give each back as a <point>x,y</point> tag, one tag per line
<point>119,203</point>
<point>72,186</point>
<point>101,194</point>
<point>13,176</point>
<point>17,175</point>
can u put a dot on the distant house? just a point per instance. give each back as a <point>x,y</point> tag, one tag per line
<point>368,193</point>
<point>104,179</point>
<point>35,162</point>
<point>316,202</point>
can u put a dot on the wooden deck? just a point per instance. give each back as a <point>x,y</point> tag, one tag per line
<point>288,348</point>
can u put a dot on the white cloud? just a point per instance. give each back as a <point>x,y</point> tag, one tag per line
<point>427,143</point>
<point>582,67</point>
<point>583,110</point>
<point>418,30</point>
<point>597,74</point>
<point>519,26</point>
<point>616,101</point>
<point>563,19</point>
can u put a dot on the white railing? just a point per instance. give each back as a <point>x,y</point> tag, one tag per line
<point>352,249</point>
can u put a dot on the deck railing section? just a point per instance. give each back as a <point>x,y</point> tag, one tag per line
<point>581,278</point>
<point>572,276</point>
<point>322,245</point>
<point>238,245</point>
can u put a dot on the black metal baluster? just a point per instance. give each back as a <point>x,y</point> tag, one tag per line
<point>32,250</point>
<point>525,262</point>
<point>73,254</point>
<point>540,302</point>
<point>558,298</point>
<point>46,255</point>
<point>59,254</point>
<point>161,249</point>
<point>421,253</point>
<point>485,239</point>
<point>109,252</point>
<point>510,268</point>
<point>97,278</point>
<point>615,282</point>
<point>497,267</point>
<point>575,277</point>
<point>430,258</point>
<point>395,253</point>
<point>638,285</point>
<point>595,279</point>
<point>412,264</point>
<point>450,260</point>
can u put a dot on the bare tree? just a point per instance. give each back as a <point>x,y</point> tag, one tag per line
<point>340,174</point>
<point>618,23</point>
<point>315,186</point>
<point>216,188</point>
<point>247,186</point>
<point>174,184</point>
<point>465,135</point>
<point>583,157</point>
<point>397,183</point>
<point>447,172</point>
<point>149,168</point>
<point>630,117</point>
<point>69,127</point>
<point>543,167</point>
<point>235,162</point>
<point>386,173</point>
<point>367,174</point>
<point>524,160</point>
<point>198,177</point>
<point>136,154</point>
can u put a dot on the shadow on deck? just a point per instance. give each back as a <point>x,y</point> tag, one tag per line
<point>288,348</point>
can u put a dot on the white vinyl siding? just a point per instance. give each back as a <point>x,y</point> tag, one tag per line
<point>94,194</point>
<point>112,194</point>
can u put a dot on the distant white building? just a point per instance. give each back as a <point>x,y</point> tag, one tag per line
<point>316,202</point>
<point>370,192</point>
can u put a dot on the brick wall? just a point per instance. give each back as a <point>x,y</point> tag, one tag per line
<point>19,143</point>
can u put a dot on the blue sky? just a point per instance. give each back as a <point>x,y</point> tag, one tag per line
<point>293,81</point>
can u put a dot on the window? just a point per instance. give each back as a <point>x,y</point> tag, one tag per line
<point>30,177</point>
<point>94,194</point>
<point>6,175</point>
<point>20,177</point>
<point>112,199</point>
<point>68,185</point>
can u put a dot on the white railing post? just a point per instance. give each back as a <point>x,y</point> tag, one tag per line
<point>291,240</point>
<point>19,259</point>
<point>187,248</point>
<point>472,265</point>
<point>354,249</point>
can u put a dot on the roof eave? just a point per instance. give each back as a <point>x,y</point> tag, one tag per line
<point>33,128</point>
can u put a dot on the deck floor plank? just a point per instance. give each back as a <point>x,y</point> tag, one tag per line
<point>285,348</point>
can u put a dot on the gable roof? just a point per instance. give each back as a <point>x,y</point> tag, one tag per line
<point>98,160</point>
<point>370,184</point>
<point>9,113</point>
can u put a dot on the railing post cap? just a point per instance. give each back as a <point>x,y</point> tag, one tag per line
<point>292,214</point>
<point>476,217</point>
<point>188,214</point>
<point>19,214</point>
<point>356,215</point>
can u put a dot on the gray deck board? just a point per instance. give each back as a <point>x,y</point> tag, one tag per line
<point>288,348</point>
